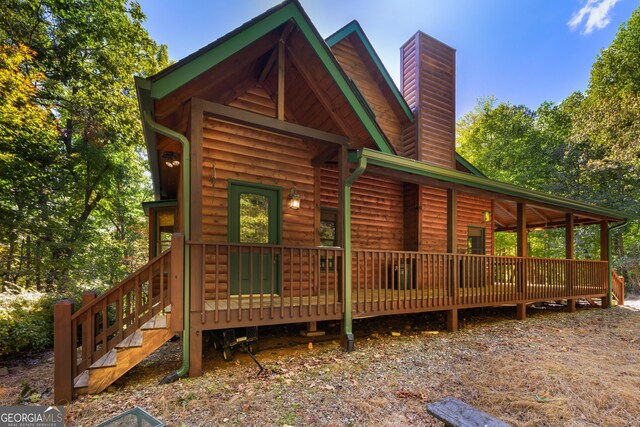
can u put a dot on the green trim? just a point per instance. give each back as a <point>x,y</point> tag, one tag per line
<point>449,175</point>
<point>362,98</point>
<point>236,187</point>
<point>347,282</point>
<point>151,125</point>
<point>165,82</point>
<point>145,103</point>
<point>158,204</point>
<point>354,28</point>
<point>464,162</point>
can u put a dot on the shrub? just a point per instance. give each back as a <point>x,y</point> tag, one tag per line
<point>26,320</point>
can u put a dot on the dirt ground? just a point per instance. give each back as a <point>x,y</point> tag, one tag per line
<point>554,369</point>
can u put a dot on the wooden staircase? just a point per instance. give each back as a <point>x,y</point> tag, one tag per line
<point>118,361</point>
<point>112,333</point>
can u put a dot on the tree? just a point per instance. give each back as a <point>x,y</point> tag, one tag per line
<point>87,53</point>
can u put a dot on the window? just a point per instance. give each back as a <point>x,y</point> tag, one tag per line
<point>165,226</point>
<point>254,218</point>
<point>476,240</point>
<point>328,221</point>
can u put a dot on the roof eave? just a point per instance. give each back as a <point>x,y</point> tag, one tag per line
<point>145,103</point>
<point>453,176</point>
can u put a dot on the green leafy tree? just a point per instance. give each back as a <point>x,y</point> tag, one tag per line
<point>87,53</point>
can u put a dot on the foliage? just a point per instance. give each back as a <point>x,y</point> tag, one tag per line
<point>584,148</point>
<point>72,168</point>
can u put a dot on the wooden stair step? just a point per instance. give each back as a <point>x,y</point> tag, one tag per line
<point>158,322</point>
<point>108,360</point>
<point>133,340</point>
<point>82,380</point>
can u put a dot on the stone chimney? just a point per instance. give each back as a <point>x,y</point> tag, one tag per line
<point>429,86</point>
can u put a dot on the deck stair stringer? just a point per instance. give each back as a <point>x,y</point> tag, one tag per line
<point>127,354</point>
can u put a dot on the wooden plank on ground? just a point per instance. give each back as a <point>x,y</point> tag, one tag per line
<point>456,413</point>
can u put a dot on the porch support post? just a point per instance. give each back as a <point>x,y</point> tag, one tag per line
<point>452,226</point>
<point>452,320</point>
<point>196,258</point>
<point>569,254</point>
<point>605,255</point>
<point>195,353</point>
<point>347,321</point>
<point>63,351</point>
<point>522,252</point>
<point>452,220</point>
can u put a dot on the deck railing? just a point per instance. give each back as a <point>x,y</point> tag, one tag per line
<point>248,283</point>
<point>399,281</point>
<point>83,337</point>
<point>617,283</point>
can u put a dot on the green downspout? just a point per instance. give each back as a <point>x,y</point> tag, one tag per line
<point>609,274</point>
<point>348,318</point>
<point>186,227</point>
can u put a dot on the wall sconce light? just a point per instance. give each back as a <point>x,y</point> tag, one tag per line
<point>294,199</point>
<point>170,159</point>
<point>486,216</point>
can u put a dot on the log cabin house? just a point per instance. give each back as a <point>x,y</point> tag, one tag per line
<point>295,183</point>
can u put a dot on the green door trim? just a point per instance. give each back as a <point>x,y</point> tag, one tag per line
<point>234,211</point>
<point>240,279</point>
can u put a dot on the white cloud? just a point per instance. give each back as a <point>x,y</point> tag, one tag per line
<point>597,14</point>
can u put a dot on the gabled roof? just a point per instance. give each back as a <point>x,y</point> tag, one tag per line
<point>354,28</point>
<point>187,69</point>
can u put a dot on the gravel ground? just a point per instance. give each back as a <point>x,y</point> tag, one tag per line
<point>555,368</point>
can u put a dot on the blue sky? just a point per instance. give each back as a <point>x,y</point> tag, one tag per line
<point>521,51</point>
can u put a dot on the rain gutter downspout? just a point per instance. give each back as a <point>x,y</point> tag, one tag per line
<point>609,273</point>
<point>348,318</point>
<point>186,227</point>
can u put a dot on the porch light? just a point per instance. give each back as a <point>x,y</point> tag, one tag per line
<point>294,199</point>
<point>486,216</point>
<point>170,160</point>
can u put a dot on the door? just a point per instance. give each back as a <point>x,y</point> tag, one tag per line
<point>255,217</point>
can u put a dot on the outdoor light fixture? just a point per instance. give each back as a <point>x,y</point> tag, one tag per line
<point>486,216</point>
<point>294,199</point>
<point>170,160</point>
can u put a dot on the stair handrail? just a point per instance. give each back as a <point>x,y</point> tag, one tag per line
<point>114,288</point>
<point>129,317</point>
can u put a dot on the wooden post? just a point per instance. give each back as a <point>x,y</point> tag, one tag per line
<point>569,254</point>
<point>452,226</point>
<point>522,247</point>
<point>63,352</point>
<point>522,252</point>
<point>280,96</point>
<point>195,353</point>
<point>604,256</point>
<point>312,330</point>
<point>452,320</point>
<point>195,136</point>
<point>88,331</point>
<point>176,282</point>
<point>452,220</point>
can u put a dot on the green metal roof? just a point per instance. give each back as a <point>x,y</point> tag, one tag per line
<point>354,27</point>
<point>415,167</point>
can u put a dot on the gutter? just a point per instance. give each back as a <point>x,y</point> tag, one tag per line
<point>609,273</point>
<point>348,317</point>
<point>186,227</point>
